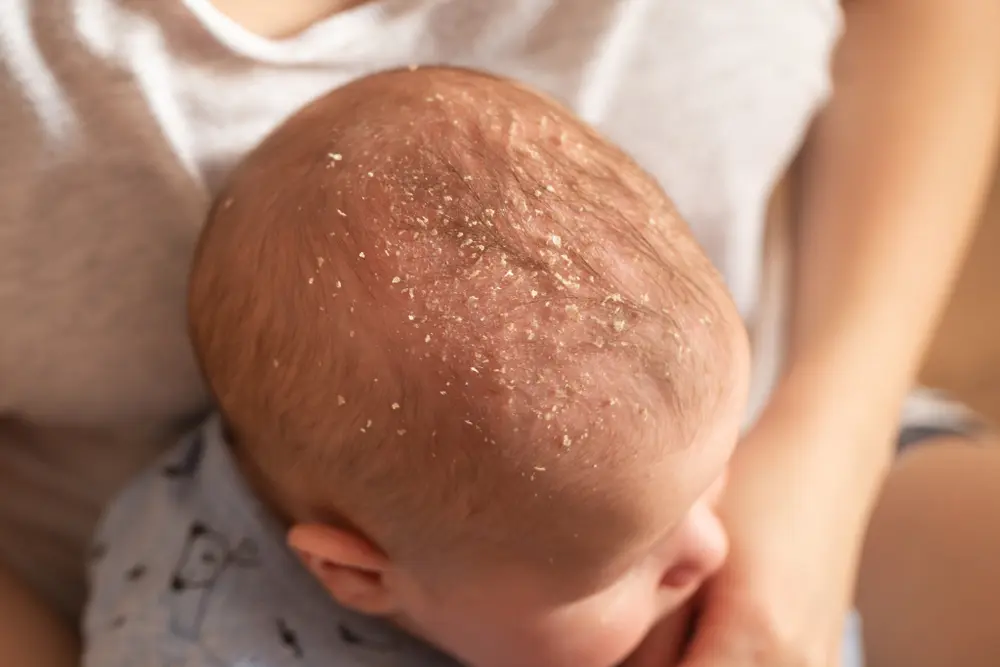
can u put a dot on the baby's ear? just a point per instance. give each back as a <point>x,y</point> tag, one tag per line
<point>350,567</point>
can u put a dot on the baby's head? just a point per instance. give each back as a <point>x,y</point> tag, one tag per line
<point>468,350</point>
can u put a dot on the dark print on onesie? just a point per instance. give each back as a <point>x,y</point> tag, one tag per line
<point>204,560</point>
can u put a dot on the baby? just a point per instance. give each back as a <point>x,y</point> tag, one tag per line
<point>477,384</point>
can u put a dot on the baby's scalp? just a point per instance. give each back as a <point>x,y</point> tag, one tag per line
<point>436,307</point>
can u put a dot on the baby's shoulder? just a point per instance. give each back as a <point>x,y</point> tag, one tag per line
<point>188,570</point>
<point>202,596</point>
<point>156,562</point>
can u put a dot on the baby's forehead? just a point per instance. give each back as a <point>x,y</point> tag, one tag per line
<point>605,501</point>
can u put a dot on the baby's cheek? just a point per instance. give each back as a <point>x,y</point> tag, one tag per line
<point>613,627</point>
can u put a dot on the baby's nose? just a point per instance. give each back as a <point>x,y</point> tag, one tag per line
<point>703,547</point>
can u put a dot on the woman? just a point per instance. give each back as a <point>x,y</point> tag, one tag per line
<point>119,118</point>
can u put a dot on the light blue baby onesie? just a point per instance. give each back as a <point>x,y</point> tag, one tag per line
<point>189,570</point>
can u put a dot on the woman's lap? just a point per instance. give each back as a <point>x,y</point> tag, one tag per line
<point>929,582</point>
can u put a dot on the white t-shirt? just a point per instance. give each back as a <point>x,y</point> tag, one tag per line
<point>119,119</point>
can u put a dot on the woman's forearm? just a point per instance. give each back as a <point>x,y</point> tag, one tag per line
<point>893,177</point>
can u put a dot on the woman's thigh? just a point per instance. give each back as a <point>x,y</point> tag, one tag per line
<point>31,634</point>
<point>929,587</point>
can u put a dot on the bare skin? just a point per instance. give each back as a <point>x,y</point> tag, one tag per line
<point>929,586</point>
<point>31,634</point>
<point>894,177</point>
<point>276,20</point>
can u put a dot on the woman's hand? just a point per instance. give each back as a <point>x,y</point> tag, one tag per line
<point>783,596</point>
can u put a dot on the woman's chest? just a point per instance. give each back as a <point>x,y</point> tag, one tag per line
<point>117,134</point>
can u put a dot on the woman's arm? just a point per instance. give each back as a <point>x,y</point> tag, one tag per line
<point>892,179</point>
<point>894,175</point>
